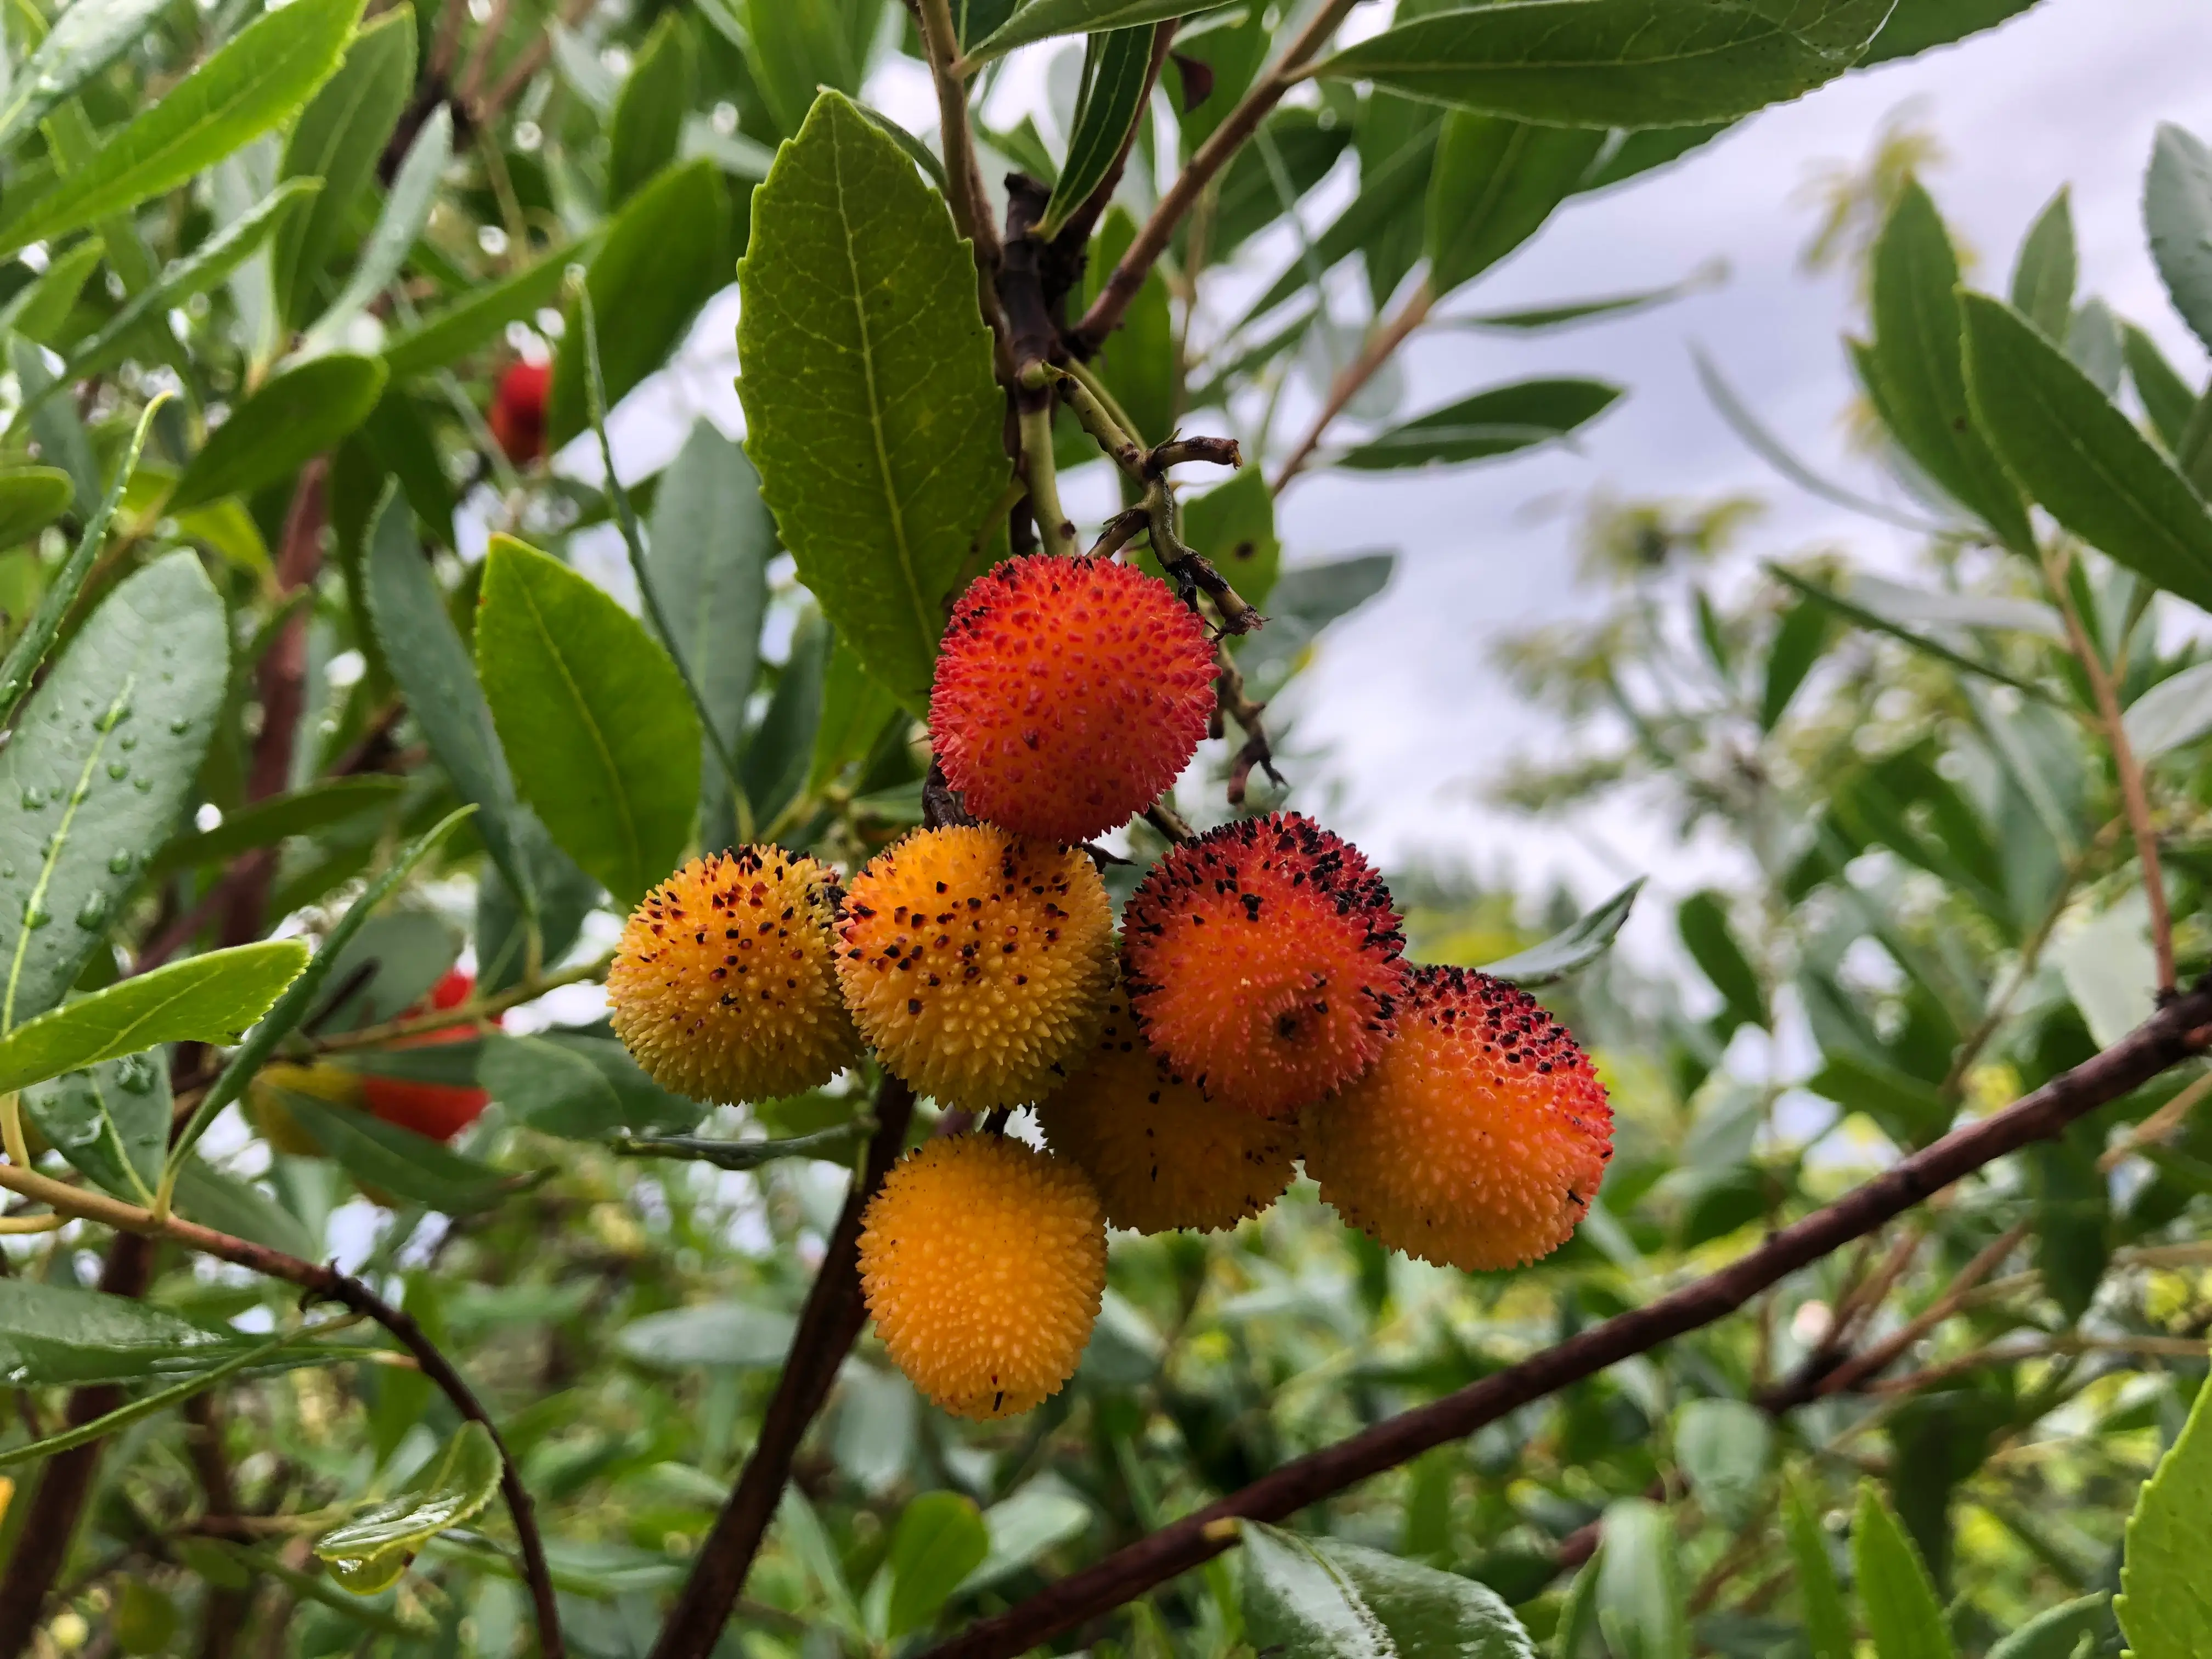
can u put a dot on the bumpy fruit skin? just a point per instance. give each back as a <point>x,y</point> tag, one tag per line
<point>977,961</point>
<point>1069,693</point>
<point>1264,962</point>
<point>1160,1153</point>
<point>722,988</point>
<point>1479,1139</point>
<point>983,1261</point>
<point>440,1110</point>
<point>517,417</point>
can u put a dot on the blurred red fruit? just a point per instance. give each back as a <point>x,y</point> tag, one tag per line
<point>440,1110</point>
<point>518,411</point>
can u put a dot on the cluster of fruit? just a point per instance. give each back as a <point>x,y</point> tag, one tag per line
<point>1256,1010</point>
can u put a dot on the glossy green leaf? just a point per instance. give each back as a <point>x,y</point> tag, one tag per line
<point>1821,1598</point>
<point>1640,1598</point>
<point>1798,642</point>
<point>40,311</point>
<point>111,1123</point>
<point>594,718</point>
<point>2164,1605</point>
<point>1919,25</point>
<point>1314,1598</point>
<point>295,417</point>
<point>1389,177</point>
<point>870,405</point>
<point>795,52</point>
<point>406,212</point>
<point>1428,1615</point>
<point>206,265</point>
<point>86,38</point>
<point>369,1553</point>
<point>2083,459</point>
<point>2057,1633</point>
<point>206,999</point>
<point>1292,152</point>
<point>398,1161</point>
<point>780,750</point>
<point>432,668</point>
<point>742,1336</point>
<point>707,552</point>
<point>648,118</point>
<point>1725,1446</point>
<point>477,318</point>
<point>2044,275</point>
<point>1502,421</point>
<point>1918,359</point>
<point>253,82</point>
<point>1491,186</point>
<point>1116,77</point>
<point>1896,1595</point>
<point>2166,398</point>
<point>1616,63</point>
<point>31,498</point>
<point>1573,948</point>
<point>55,1335</point>
<point>80,811</point>
<point>2177,213</point>
<point>939,1539</point>
<point>337,143</point>
<point>230,1204</point>
<point>1040,20</point>
<point>568,1083</point>
<point>1035,1518</point>
<point>1232,526</point>
<point>665,256</point>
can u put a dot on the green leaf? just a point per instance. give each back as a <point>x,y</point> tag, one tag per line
<point>477,318</point>
<point>1571,949</point>
<point>1702,923</point>
<point>2177,213</point>
<point>707,556</point>
<point>939,1539</point>
<point>1314,1598</point>
<point>1138,362</point>
<point>1493,184</point>
<point>1919,25</point>
<point>57,432</point>
<point>1387,180</point>
<point>1040,20</point>
<point>1428,1615</point>
<point>31,498</point>
<point>2094,345</point>
<point>40,311</point>
<point>2166,396</point>
<point>294,417</point>
<point>230,1204</point>
<point>566,1083</point>
<point>1233,527</point>
<point>741,1335</point>
<point>393,961</point>
<point>207,264</point>
<point>796,51</point>
<point>1895,1593</point>
<point>369,1553</point>
<point>99,769</point>
<point>565,895</point>
<point>266,823</point>
<point>2054,1633</point>
<point>337,141</point>
<point>432,668</point>
<point>207,999</point>
<point>111,1123</point>
<point>1916,359</point>
<point>1631,155</point>
<point>663,256</point>
<point>2164,1605</point>
<point>1820,1599</point>
<point>1616,63</point>
<point>1798,642</point>
<point>780,752</point>
<point>1115,66</point>
<point>1723,1447</point>
<point>398,1161</point>
<point>2042,277</point>
<point>86,38</point>
<point>1640,1599</point>
<point>2172,715</point>
<point>833,1145</point>
<point>377,264</point>
<point>1866,618</point>
<point>855,709</point>
<point>648,118</point>
<point>594,718</point>
<point>56,1335</point>
<point>1502,421</point>
<point>2083,459</point>
<point>260,77</point>
<point>1908,1111</point>
<point>870,405</point>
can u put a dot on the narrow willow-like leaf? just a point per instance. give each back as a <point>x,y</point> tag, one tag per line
<point>1895,1593</point>
<point>1040,20</point>
<point>441,340</point>
<point>86,38</point>
<point>870,405</point>
<point>299,415</point>
<point>649,115</point>
<point>1493,184</point>
<point>1499,422</point>
<point>744,1154</point>
<point>406,211</point>
<point>385,1156</point>
<point>2177,213</point>
<point>1114,78</point>
<point>369,1553</point>
<point>1573,948</point>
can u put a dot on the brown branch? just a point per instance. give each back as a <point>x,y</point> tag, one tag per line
<point>1066,258</point>
<point>1873,1361</point>
<point>1363,368</point>
<point>1105,313</point>
<point>829,1325</point>
<point>222,1615</point>
<point>964,174</point>
<point>2178,1032</point>
<point>1230,702</point>
<point>531,60</point>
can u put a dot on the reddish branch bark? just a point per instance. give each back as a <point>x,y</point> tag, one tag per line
<point>2176,1032</point>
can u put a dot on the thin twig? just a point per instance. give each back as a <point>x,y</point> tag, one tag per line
<point>531,60</point>
<point>1105,313</point>
<point>1873,1361</point>
<point>2178,1032</point>
<point>2158,1126</point>
<point>1363,368</point>
<point>2133,795</point>
<point>963,177</point>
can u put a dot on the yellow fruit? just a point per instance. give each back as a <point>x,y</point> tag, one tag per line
<point>1480,1137</point>
<point>265,1102</point>
<point>722,988</point>
<point>1160,1153</point>
<point>977,962</point>
<point>983,1261</point>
